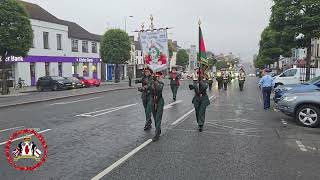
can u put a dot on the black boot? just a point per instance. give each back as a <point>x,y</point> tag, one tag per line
<point>200,128</point>
<point>157,135</point>
<point>148,126</point>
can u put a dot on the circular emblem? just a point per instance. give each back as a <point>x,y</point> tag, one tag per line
<point>26,150</point>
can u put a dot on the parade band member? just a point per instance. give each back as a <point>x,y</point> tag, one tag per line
<point>209,77</point>
<point>195,75</point>
<point>219,78</point>
<point>157,103</point>
<point>146,96</point>
<point>174,82</point>
<point>242,78</point>
<point>200,99</point>
<point>225,77</point>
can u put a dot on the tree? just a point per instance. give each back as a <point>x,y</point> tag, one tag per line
<point>222,65</point>
<point>16,34</point>
<point>300,20</point>
<point>182,58</point>
<point>170,50</point>
<point>115,49</point>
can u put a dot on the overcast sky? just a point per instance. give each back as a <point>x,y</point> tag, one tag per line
<point>228,25</point>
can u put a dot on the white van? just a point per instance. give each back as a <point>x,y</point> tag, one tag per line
<point>295,76</point>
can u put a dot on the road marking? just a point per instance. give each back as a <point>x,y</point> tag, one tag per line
<point>105,111</point>
<point>168,106</point>
<point>122,160</point>
<point>70,102</point>
<point>3,130</point>
<point>25,136</point>
<point>301,146</point>
<point>187,114</point>
<point>284,122</point>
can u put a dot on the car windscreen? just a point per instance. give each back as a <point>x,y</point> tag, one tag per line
<point>313,81</point>
<point>58,78</point>
<point>72,79</point>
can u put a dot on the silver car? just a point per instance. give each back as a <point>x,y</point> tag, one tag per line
<point>305,107</point>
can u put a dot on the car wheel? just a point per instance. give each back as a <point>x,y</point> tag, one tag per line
<point>55,87</point>
<point>39,88</point>
<point>308,116</point>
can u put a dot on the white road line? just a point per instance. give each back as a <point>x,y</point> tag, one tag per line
<point>114,110</point>
<point>120,161</point>
<point>187,114</point>
<point>25,136</point>
<point>171,104</point>
<point>70,102</point>
<point>301,146</point>
<point>3,130</point>
<point>105,111</point>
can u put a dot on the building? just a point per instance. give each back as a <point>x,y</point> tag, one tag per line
<point>299,53</point>
<point>60,48</point>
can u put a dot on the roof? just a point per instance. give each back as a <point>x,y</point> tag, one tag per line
<point>38,13</point>
<point>75,30</point>
<point>78,32</point>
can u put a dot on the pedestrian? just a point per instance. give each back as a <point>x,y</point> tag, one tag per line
<point>266,84</point>
<point>200,99</point>
<point>130,76</point>
<point>242,78</point>
<point>146,96</point>
<point>209,77</point>
<point>225,77</point>
<point>174,82</point>
<point>219,78</point>
<point>157,103</point>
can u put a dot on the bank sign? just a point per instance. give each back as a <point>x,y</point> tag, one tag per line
<point>53,59</point>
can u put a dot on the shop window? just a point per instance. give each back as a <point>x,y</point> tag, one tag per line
<point>74,44</point>
<point>47,69</point>
<point>85,69</point>
<point>94,47</point>
<point>75,67</point>
<point>94,68</point>
<point>45,40</point>
<point>85,46</point>
<point>60,69</point>
<point>59,42</point>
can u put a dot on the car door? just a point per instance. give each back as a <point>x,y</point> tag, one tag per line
<point>290,77</point>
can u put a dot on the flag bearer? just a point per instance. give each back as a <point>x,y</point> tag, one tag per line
<point>200,99</point>
<point>174,82</point>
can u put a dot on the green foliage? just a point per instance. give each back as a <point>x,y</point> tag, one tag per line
<point>115,47</point>
<point>222,64</point>
<point>182,57</point>
<point>16,34</point>
<point>170,50</point>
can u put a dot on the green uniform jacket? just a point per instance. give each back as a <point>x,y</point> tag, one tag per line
<point>200,98</point>
<point>175,82</point>
<point>146,92</point>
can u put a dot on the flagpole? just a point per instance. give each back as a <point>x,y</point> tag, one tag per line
<point>199,55</point>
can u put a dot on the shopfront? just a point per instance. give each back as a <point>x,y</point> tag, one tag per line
<point>33,67</point>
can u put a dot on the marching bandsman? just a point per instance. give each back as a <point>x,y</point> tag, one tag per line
<point>195,75</point>
<point>157,103</point>
<point>200,99</point>
<point>174,82</point>
<point>146,96</point>
<point>219,78</point>
<point>225,77</point>
<point>242,78</point>
<point>210,77</point>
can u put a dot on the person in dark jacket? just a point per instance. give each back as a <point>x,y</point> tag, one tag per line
<point>174,82</point>
<point>200,99</point>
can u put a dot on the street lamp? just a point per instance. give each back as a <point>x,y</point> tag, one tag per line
<point>125,22</point>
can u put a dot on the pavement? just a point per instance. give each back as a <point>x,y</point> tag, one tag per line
<point>101,135</point>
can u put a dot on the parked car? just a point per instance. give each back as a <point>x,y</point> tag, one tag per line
<point>54,83</point>
<point>76,83</point>
<point>305,107</point>
<point>88,82</point>
<point>294,76</point>
<point>311,85</point>
<point>252,75</point>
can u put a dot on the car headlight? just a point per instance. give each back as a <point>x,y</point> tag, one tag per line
<point>290,98</point>
<point>73,83</point>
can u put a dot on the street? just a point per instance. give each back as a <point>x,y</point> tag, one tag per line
<point>87,134</point>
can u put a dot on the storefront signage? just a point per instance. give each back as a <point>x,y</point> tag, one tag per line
<point>53,59</point>
<point>14,59</point>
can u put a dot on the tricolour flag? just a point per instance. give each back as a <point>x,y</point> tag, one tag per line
<point>202,50</point>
